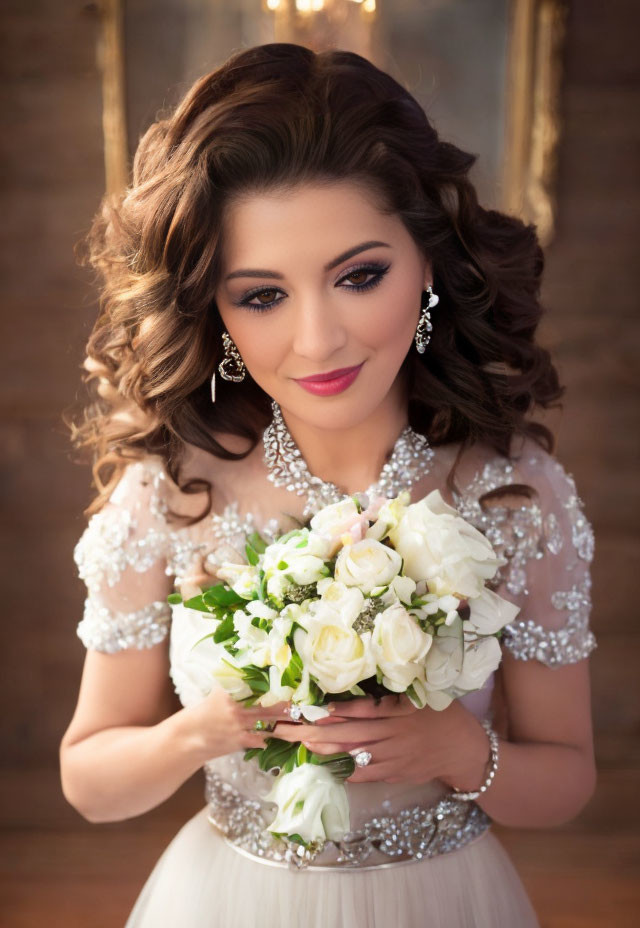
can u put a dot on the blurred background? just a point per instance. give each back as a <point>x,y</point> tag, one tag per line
<point>546,93</point>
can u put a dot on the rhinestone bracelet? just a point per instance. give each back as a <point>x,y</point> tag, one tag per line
<point>493,741</point>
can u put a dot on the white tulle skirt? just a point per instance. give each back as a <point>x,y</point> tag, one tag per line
<point>200,881</point>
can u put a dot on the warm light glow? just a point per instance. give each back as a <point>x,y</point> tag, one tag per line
<point>317,5</point>
<point>369,6</point>
<point>303,6</point>
<point>273,4</point>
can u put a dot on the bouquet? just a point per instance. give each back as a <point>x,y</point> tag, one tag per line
<point>372,597</point>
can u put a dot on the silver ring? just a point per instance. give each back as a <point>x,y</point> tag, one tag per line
<point>294,712</point>
<point>362,758</point>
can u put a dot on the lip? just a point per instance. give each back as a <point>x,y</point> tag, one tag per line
<point>330,383</point>
<point>331,375</point>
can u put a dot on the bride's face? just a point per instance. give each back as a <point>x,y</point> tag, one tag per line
<point>314,280</point>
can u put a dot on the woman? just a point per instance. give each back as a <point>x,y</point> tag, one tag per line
<point>265,345</point>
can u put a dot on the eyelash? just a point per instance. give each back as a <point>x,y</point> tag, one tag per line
<point>372,268</point>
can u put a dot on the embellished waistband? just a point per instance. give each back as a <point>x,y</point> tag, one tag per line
<point>407,836</point>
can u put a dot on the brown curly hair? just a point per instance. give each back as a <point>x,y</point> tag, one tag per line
<point>272,116</point>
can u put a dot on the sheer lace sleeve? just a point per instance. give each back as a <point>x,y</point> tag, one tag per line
<point>550,545</point>
<point>122,558</point>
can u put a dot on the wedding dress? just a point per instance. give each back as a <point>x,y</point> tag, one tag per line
<point>413,857</point>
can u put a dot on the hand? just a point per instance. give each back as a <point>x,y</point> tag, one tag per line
<point>222,725</point>
<point>407,744</point>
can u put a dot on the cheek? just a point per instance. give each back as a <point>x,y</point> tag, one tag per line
<point>390,325</point>
<point>261,344</point>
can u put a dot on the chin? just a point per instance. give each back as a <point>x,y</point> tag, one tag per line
<point>334,412</point>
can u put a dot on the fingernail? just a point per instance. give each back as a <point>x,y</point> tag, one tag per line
<point>331,708</point>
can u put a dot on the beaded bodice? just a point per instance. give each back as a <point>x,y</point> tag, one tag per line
<point>131,555</point>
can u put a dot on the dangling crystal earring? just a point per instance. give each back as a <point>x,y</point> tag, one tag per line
<point>422,338</point>
<point>231,367</point>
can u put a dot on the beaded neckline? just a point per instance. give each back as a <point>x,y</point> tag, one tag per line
<point>410,460</point>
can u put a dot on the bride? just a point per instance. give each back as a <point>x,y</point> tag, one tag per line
<point>302,299</point>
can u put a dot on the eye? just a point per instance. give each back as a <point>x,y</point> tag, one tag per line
<point>259,307</point>
<point>373,268</point>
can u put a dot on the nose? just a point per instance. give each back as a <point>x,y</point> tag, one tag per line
<point>318,332</point>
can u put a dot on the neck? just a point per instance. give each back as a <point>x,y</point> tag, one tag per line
<point>352,457</point>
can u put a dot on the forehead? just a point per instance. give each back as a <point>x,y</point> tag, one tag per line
<point>313,214</point>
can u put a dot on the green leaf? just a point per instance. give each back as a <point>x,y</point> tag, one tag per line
<point>257,542</point>
<point>292,674</point>
<point>221,595</point>
<point>196,602</point>
<point>289,764</point>
<point>225,630</point>
<point>257,678</point>
<point>251,752</point>
<point>341,765</point>
<point>252,555</point>
<point>302,754</point>
<point>174,598</point>
<point>303,543</point>
<point>282,565</point>
<point>277,752</point>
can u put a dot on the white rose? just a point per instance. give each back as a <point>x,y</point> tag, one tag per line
<point>443,662</point>
<point>311,803</point>
<point>398,643</point>
<point>490,612</point>
<point>481,658</point>
<point>367,564</point>
<point>337,520</point>
<point>441,547</point>
<point>338,603</point>
<point>435,699</point>
<point>334,653</point>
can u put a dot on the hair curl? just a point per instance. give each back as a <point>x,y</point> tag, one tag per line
<point>270,117</point>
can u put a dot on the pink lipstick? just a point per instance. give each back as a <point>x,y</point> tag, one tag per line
<point>331,382</point>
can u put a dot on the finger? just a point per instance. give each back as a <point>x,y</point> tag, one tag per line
<point>378,749</point>
<point>393,704</point>
<point>386,772</point>
<point>345,733</point>
<point>277,711</point>
<point>253,739</point>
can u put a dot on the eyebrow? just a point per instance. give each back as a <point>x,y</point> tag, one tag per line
<point>254,272</point>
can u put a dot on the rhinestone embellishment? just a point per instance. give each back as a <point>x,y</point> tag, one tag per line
<point>410,460</point>
<point>411,834</point>
<point>362,758</point>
